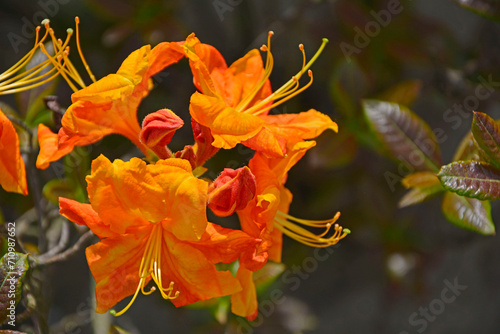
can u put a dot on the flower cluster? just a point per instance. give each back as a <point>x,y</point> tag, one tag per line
<point>151,213</point>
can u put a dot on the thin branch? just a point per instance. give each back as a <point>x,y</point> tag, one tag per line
<point>63,242</point>
<point>42,261</point>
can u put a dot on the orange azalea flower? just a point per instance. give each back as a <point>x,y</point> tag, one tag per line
<point>266,217</point>
<point>234,101</point>
<point>152,223</point>
<point>12,169</point>
<point>109,105</point>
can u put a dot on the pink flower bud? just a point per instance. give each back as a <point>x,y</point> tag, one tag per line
<point>231,191</point>
<point>159,127</point>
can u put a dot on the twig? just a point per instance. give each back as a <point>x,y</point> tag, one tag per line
<point>42,261</point>
<point>63,242</point>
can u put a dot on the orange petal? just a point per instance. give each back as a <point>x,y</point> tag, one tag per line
<point>281,129</point>
<point>241,78</point>
<point>12,168</point>
<point>228,126</point>
<point>223,245</point>
<point>126,194</point>
<point>164,55</point>
<point>276,235</point>
<point>114,263</point>
<point>83,214</point>
<point>209,56</point>
<point>305,125</point>
<point>54,146</point>
<point>244,303</point>
<point>194,276</point>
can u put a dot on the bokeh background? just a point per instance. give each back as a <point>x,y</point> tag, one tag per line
<point>391,274</point>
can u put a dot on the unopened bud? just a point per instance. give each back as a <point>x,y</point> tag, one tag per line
<point>231,191</point>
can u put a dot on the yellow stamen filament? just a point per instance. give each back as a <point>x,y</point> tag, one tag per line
<point>14,80</point>
<point>150,265</point>
<point>64,65</point>
<point>87,68</point>
<point>285,92</point>
<point>11,81</point>
<point>290,226</point>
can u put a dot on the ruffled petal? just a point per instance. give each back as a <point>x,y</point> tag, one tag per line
<point>244,303</point>
<point>83,214</point>
<point>126,194</point>
<point>194,276</point>
<point>223,245</point>
<point>241,78</point>
<point>228,126</point>
<point>114,263</point>
<point>12,168</point>
<point>279,130</point>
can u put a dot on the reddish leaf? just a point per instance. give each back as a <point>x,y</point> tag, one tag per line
<point>404,135</point>
<point>474,179</point>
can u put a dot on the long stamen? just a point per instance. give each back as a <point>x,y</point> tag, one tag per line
<point>268,68</point>
<point>32,77</point>
<point>289,226</point>
<point>87,68</point>
<point>290,88</point>
<point>151,266</point>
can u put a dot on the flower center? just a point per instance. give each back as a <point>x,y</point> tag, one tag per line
<point>290,226</point>
<point>285,92</point>
<point>150,265</point>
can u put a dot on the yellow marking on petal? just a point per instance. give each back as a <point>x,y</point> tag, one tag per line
<point>289,225</point>
<point>285,92</point>
<point>151,266</point>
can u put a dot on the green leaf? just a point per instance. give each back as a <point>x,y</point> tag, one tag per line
<point>487,8</point>
<point>486,134</point>
<point>13,267</point>
<point>474,179</point>
<point>62,188</point>
<point>404,135</point>
<point>403,93</point>
<point>425,186</point>
<point>468,213</point>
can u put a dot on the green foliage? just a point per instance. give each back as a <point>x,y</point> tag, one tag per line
<point>486,134</point>
<point>468,213</point>
<point>423,185</point>
<point>470,181</point>
<point>473,179</point>
<point>13,267</point>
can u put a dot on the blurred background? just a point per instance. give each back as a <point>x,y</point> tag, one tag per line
<point>401,270</point>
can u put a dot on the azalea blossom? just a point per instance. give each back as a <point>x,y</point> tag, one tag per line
<point>234,102</point>
<point>108,105</point>
<point>266,217</point>
<point>152,223</point>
